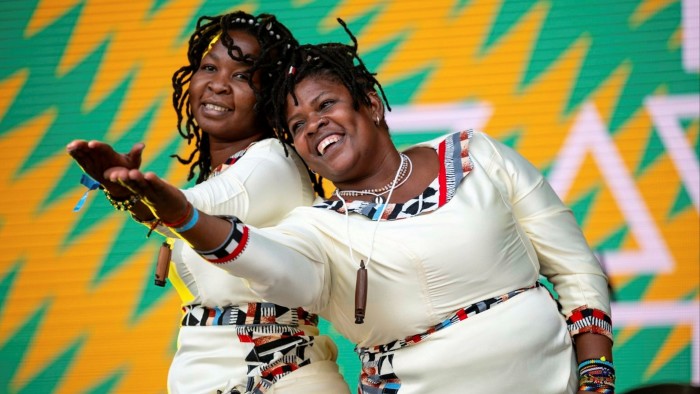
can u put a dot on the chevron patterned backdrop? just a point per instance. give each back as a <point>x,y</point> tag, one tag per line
<point>603,96</point>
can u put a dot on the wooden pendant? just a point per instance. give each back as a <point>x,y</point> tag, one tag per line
<point>163,265</point>
<point>361,293</point>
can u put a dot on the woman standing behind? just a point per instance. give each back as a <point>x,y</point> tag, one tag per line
<point>230,340</point>
<point>445,241</point>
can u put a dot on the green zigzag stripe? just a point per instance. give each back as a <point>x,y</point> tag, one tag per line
<point>16,16</point>
<point>509,14</point>
<point>108,384</point>
<point>209,8</point>
<point>13,351</point>
<point>52,375</point>
<point>612,43</point>
<point>641,350</point>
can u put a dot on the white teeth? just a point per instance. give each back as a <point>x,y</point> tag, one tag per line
<point>325,142</point>
<point>215,107</point>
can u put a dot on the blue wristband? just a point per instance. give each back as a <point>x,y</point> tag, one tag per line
<point>597,362</point>
<point>190,223</point>
<point>91,184</point>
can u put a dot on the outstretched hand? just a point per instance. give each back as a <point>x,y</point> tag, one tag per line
<point>95,157</point>
<point>166,201</point>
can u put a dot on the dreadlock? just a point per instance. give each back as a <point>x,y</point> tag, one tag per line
<point>276,44</point>
<point>332,60</point>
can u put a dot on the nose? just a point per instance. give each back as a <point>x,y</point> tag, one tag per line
<point>316,121</point>
<point>219,84</point>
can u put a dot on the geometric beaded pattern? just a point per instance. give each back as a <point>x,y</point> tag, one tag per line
<point>378,377</point>
<point>455,165</point>
<point>279,345</point>
<point>232,247</point>
<point>584,319</point>
<point>259,313</point>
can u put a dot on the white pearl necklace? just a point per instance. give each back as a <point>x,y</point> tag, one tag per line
<point>402,175</point>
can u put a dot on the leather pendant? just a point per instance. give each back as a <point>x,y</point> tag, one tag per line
<point>361,293</point>
<point>163,265</point>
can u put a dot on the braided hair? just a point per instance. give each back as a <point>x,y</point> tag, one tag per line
<point>333,60</point>
<point>336,61</point>
<point>276,44</point>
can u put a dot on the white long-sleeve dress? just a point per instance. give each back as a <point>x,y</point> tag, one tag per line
<point>229,337</point>
<point>453,301</point>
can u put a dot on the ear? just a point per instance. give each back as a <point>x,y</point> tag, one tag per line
<point>376,107</point>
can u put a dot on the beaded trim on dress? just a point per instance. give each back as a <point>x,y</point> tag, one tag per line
<point>455,165</point>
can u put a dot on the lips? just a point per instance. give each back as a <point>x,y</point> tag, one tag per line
<point>214,108</point>
<point>326,142</point>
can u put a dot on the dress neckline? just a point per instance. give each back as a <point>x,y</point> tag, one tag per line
<point>455,165</point>
<point>230,161</point>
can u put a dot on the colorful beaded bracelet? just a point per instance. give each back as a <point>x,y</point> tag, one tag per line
<point>122,204</point>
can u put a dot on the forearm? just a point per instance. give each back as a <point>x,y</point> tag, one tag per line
<point>275,271</point>
<point>208,233</point>
<point>595,364</point>
<point>593,346</point>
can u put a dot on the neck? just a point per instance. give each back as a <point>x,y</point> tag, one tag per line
<point>394,170</point>
<point>222,150</point>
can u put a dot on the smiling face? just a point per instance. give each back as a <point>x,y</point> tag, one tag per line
<point>221,98</point>
<point>340,143</point>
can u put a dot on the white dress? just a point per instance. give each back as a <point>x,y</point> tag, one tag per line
<point>453,304</point>
<point>260,184</point>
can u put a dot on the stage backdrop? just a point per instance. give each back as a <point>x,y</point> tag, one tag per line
<point>601,95</point>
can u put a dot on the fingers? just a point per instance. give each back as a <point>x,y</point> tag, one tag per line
<point>165,200</point>
<point>77,149</point>
<point>80,152</point>
<point>134,180</point>
<point>95,144</point>
<point>116,174</point>
<point>106,153</point>
<point>161,190</point>
<point>135,154</point>
<point>151,187</point>
<point>76,145</point>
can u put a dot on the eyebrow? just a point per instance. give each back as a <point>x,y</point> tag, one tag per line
<point>217,58</point>
<point>319,96</point>
<point>213,55</point>
<point>312,102</point>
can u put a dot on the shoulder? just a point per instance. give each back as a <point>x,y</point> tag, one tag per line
<point>269,145</point>
<point>270,150</point>
<point>471,143</point>
<point>469,136</point>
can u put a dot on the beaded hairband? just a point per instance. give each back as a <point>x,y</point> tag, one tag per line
<point>239,20</point>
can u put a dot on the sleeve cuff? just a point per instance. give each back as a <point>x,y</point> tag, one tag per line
<point>232,247</point>
<point>585,319</point>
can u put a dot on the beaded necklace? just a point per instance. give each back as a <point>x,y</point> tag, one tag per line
<point>402,175</point>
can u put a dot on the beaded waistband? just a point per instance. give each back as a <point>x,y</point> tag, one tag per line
<point>461,314</point>
<point>246,314</point>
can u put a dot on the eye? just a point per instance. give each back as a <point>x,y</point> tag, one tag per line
<point>326,103</point>
<point>207,67</point>
<point>241,76</point>
<point>296,127</point>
